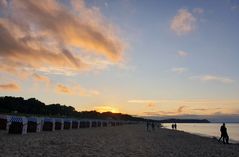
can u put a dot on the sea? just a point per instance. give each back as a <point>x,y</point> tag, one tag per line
<point>208,129</point>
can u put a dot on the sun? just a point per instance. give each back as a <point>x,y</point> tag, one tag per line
<point>107,109</point>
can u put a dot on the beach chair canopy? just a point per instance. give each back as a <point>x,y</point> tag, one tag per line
<point>34,119</point>
<point>18,119</point>
<point>7,117</point>
<point>58,120</point>
<point>4,122</point>
<point>75,121</point>
<point>48,120</point>
<point>68,120</point>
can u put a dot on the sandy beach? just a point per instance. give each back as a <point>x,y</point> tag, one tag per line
<point>128,140</point>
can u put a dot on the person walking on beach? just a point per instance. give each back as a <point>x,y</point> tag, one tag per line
<point>175,126</point>
<point>172,126</point>
<point>147,125</point>
<point>224,135</point>
<point>153,126</point>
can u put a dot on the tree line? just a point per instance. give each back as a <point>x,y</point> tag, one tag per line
<point>32,106</point>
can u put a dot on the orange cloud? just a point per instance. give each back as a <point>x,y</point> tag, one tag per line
<point>45,34</point>
<point>180,109</point>
<point>177,112</point>
<point>151,104</point>
<point>9,87</point>
<point>38,77</point>
<point>63,89</point>
<point>142,101</point>
<point>76,90</point>
<point>147,102</point>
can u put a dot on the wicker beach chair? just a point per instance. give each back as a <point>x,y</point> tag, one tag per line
<point>18,125</point>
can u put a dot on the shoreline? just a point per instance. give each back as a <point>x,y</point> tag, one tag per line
<point>231,141</point>
<point>127,140</point>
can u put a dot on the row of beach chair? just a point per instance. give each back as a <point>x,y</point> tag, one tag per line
<point>23,125</point>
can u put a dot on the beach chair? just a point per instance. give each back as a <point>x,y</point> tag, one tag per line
<point>59,124</point>
<point>104,123</point>
<point>18,125</point>
<point>99,124</point>
<point>4,122</point>
<point>33,124</point>
<point>85,123</point>
<point>48,124</point>
<point>112,123</point>
<point>93,123</point>
<point>67,124</point>
<point>75,124</point>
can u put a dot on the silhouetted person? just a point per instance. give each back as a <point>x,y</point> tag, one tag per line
<point>147,125</point>
<point>172,126</point>
<point>224,135</point>
<point>153,126</point>
<point>175,126</point>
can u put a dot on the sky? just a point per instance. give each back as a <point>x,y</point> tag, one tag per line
<point>147,58</point>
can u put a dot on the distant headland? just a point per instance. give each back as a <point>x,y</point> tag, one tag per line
<point>173,120</point>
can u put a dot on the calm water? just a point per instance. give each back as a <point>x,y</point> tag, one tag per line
<point>208,129</point>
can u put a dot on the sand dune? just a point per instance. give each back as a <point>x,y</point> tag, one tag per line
<point>128,140</point>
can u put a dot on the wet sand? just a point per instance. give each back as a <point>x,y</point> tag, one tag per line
<point>120,141</point>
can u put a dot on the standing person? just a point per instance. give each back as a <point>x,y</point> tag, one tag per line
<point>147,125</point>
<point>224,135</point>
<point>175,126</point>
<point>172,126</point>
<point>153,126</point>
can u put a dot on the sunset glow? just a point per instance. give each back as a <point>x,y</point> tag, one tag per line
<point>107,109</point>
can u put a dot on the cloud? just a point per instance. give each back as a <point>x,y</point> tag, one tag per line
<point>48,34</point>
<point>160,113</point>
<point>206,109</point>
<point>234,4</point>
<point>170,107</point>
<point>179,70</point>
<point>75,90</point>
<point>198,10</point>
<point>142,101</point>
<point>200,109</point>
<point>183,23</point>
<point>186,102</point>
<point>38,77</point>
<point>63,89</point>
<point>151,104</point>
<point>10,87</point>
<point>180,109</point>
<point>235,7</point>
<point>213,78</point>
<point>182,53</point>
<point>147,102</point>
